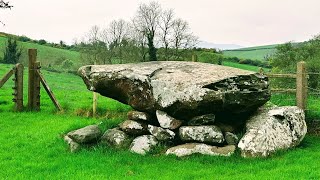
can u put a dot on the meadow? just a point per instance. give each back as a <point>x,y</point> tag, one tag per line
<point>254,53</point>
<point>32,146</point>
<point>48,56</point>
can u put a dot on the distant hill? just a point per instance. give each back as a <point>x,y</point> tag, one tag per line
<point>254,53</point>
<point>204,44</point>
<point>48,56</point>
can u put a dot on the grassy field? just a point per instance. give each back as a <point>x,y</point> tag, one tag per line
<point>46,55</point>
<point>254,53</point>
<point>32,146</point>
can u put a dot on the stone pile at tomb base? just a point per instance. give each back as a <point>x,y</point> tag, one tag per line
<point>267,131</point>
<point>190,108</point>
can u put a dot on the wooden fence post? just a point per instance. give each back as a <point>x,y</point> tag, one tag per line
<point>18,87</point>
<point>194,58</point>
<point>302,88</point>
<point>33,81</point>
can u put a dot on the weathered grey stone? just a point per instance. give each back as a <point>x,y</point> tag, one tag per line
<point>206,134</point>
<point>143,144</point>
<point>231,138</point>
<point>273,129</point>
<point>73,146</point>
<point>207,119</point>
<point>194,148</point>
<point>116,138</point>
<point>182,89</point>
<point>85,135</point>
<point>160,133</point>
<point>134,127</point>
<point>167,121</point>
<point>138,116</point>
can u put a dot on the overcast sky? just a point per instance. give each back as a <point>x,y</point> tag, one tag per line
<point>242,22</point>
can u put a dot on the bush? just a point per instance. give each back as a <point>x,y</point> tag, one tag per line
<point>24,39</point>
<point>42,42</point>
<point>67,64</point>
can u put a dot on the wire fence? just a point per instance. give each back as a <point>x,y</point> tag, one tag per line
<point>284,92</point>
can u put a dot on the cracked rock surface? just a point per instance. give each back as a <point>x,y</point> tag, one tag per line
<point>273,129</point>
<point>182,89</point>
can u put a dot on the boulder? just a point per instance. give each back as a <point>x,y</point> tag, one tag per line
<point>73,146</point>
<point>167,121</point>
<point>205,134</point>
<point>138,116</point>
<point>207,119</point>
<point>134,127</point>
<point>197,148</point>
<point>116,138</point>
<point>273,129</point>
<point>231,138</point>
<point>143,144</point>
<point>182,89</point>
<point>160,133</point>
<point>86,135</point>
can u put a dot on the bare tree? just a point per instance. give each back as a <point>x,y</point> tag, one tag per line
<point>147,21</point>
<point>4,5</point>
<point>118,32</point>
<point>92,46</point>
<point>182,37</point>
<point>166,24</point>
<point>140,41</point>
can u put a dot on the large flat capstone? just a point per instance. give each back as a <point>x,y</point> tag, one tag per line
<point>182,89</point>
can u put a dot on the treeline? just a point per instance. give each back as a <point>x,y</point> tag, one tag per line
<point>287,55</point>
<point>61,44</point>
<point>153,34</point>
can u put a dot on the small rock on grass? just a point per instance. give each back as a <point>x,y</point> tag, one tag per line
<point>116,138</point>
<point>197,148</point>
<point>86,135</point>
<point>73,146</point>
<point>143,144</point>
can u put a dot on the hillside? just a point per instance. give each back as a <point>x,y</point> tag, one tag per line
<point>48,56</point>
<point>254,53</point>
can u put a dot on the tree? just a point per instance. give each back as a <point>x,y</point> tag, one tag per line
<point>4,5</point>
<point>287,55</point>
<point>166,24</point>
<point>182,37</point>
<point>12,52</point>
<point>147,21</point>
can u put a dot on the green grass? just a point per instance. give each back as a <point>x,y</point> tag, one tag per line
<point>46,55</point>
<point>244,66</point>
<point>31,145</point>
<point>254,53</point>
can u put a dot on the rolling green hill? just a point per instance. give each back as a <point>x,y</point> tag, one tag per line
<point>254,53</point>
<point>46,55</point>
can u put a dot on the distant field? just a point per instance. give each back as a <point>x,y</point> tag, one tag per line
<point>46,55</point>
<point>254,53</point>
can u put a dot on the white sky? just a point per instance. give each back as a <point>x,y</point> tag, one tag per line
<point>243,22</point>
